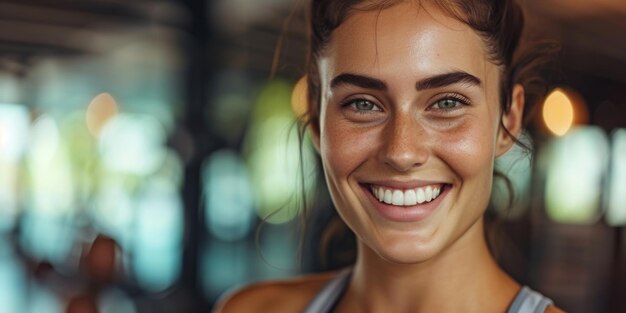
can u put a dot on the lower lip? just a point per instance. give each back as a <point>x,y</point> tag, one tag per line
<point>405,214</point>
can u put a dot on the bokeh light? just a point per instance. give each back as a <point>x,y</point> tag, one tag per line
<point>14,127</point>
<point>45,140</point>
<point>75,163</point>
<point>274,156</point>
<point>154,123</point>
<point>576,167</point>
<point>115,301</point>
<point>49,238</point>
<point>14,132</point>
<point>299,102</point>
<point>114,210</point>
<point>12,281</point>
<point>158,233</point>
<point>42,299</point>
<point>133,144</point>
<point>227,264</point>
<point>558,112</point>
<point>516,165</point>
<point>49,168</point>
<point>229,203</point>
<point>616,195</point>
<point>102,108</point>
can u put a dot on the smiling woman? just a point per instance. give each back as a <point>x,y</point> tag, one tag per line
<point>409,105</point>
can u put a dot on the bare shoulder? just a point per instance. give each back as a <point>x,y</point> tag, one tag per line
<point>290,295</point>
<point>553,309</point>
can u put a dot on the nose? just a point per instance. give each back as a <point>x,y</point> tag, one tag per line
<point>405,143</point>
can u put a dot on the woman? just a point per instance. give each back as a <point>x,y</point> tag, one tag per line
<point>410,102</point>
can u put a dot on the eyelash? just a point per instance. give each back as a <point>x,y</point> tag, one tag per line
<point>450,97</point>
<point>352,104</point>
<point>459,99</point>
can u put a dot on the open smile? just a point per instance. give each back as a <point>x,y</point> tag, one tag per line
<point>406,197</point>
<point>406,203</point>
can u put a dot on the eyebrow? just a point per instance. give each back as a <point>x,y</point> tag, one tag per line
<point>437,81</point>
<point>359,81</point>
<point>446,79</point>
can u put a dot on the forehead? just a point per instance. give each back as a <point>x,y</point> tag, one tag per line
<point>405,39</point>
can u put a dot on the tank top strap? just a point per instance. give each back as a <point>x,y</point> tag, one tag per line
<point>529,301</point>
<point>526,301</point>
<point>326,300</point>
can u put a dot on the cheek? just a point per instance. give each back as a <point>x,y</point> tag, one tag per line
<point>343,149</point>
<point>468,149</point>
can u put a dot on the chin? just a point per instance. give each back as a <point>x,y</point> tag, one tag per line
<point>399,249</point>
<point>408,258</point>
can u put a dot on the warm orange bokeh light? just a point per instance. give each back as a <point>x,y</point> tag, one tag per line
<point>558,112</point>
<point>299,97</point>
<point>99,111</point>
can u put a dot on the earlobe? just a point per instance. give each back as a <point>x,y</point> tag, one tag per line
<point>512,121</point>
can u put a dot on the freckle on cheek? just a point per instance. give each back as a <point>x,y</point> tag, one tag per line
<point>464,148</point>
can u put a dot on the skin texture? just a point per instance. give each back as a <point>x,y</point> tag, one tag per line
<point>404,136</point>
<point>409,138</point>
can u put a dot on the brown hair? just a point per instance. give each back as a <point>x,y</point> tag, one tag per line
<point>498,22</point>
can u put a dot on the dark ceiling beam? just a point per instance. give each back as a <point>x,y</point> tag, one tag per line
<point>120,11</point>
<point>69,17</point>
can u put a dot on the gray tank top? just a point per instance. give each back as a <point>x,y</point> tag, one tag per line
<point>526,301</point>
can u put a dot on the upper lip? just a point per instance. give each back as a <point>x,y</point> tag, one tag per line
<point>409,184</point>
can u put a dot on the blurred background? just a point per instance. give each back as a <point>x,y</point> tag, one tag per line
<point>143,142</point>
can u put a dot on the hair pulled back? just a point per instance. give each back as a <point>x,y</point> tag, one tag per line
<point>498,22</point>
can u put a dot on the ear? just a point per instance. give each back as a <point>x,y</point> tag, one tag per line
<point>300,106</point>
<point>512,120</point>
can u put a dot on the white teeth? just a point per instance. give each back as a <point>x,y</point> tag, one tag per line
<point>387,197</point>
<point>398,198</point>
<point>408,197</point>
<point>379,193</point>
<point>420,195</point>
<point>428,192</point>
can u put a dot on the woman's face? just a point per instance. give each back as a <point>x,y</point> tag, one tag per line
<point>409,129</point>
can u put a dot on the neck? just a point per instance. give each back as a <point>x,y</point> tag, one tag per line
<point>461,277</point>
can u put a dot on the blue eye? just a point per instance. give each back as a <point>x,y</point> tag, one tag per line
<point>450,102</point>
<point>447,104</point>
<point>363,105</point>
